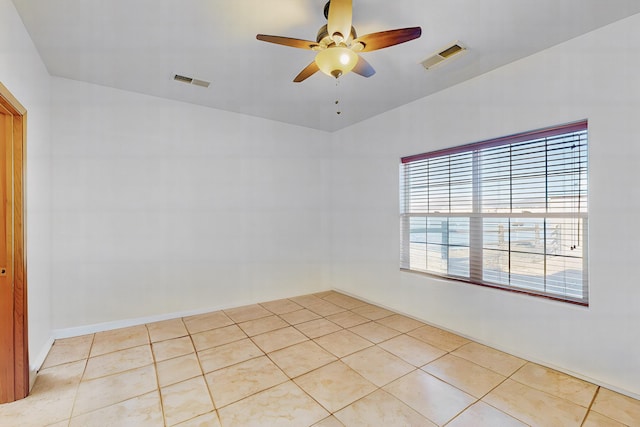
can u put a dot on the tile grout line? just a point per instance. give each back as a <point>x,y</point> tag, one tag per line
<point>593,400</point>
<point>86,363</point>
<point>447,352</point>
<point>506,377</point>
<point>506,413</point>
<point>547,394</point>
<point>290,379</point>
<point>442,379</point>
<point>551,394</point>
<point>265,354</point>
<point>155,369</point>
<point>462,411</point>
<point>203,375</point>
<point>235,364</point>
<point>339,359</point>
<point>378,388</point>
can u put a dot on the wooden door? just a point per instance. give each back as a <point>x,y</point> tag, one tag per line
<point>14,357</point>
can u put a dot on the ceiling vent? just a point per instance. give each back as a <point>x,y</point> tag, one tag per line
<point>200,83</point>
<point>191,80</point>
<point>448,52</point>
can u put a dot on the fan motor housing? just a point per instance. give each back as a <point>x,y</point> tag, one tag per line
<point>323,35</point>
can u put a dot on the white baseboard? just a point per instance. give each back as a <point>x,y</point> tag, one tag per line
<point>117,324</point>
<point>503,349</point>
<point>36,363</point>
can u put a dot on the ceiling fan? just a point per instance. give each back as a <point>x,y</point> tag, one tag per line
<point>338,45</point>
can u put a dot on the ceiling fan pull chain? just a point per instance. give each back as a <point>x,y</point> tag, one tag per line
<point>337,97</point>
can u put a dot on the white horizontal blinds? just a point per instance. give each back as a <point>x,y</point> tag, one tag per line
<point>534,178</point>
<point>436,188</point>
<point>495,180</point>
<point>566,231</point>
<point>461,182</point>
<point>405,251</point>
<point>567,175</point>
<point>510,212</point>
<point>438,185</point>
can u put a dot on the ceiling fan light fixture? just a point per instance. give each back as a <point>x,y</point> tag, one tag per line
<point>338,44</point>
<point>336,61</point>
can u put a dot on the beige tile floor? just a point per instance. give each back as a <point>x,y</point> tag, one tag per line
<point>315,360</point>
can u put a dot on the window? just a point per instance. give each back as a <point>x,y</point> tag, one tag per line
<point>508,213</point>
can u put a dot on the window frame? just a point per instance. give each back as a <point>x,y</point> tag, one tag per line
<point>476,233</point>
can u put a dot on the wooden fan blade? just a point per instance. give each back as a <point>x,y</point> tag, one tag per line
<point>307,72</point>
<point>375,41</point>
<point>288,41</point>
<point>339,19</point>
<point>363,68</point>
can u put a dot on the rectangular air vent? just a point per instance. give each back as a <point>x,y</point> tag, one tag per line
<point>200,83</point>
<point>443,54</point>
<point>183,79</point>
<point>191,80</point>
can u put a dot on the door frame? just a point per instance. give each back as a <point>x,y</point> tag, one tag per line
<point>17,384</point>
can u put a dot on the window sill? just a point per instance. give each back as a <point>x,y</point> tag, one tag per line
<point>502,288</point>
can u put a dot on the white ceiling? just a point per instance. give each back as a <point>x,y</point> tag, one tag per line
<point>139,45</point>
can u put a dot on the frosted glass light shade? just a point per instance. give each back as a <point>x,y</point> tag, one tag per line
<point>336,60</point>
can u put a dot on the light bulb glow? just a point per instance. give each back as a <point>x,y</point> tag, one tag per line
<point>336,60</point>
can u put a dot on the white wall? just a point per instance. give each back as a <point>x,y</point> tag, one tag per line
<point>163,207</point>
<point>24,74</point>
<point>594,77</point>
